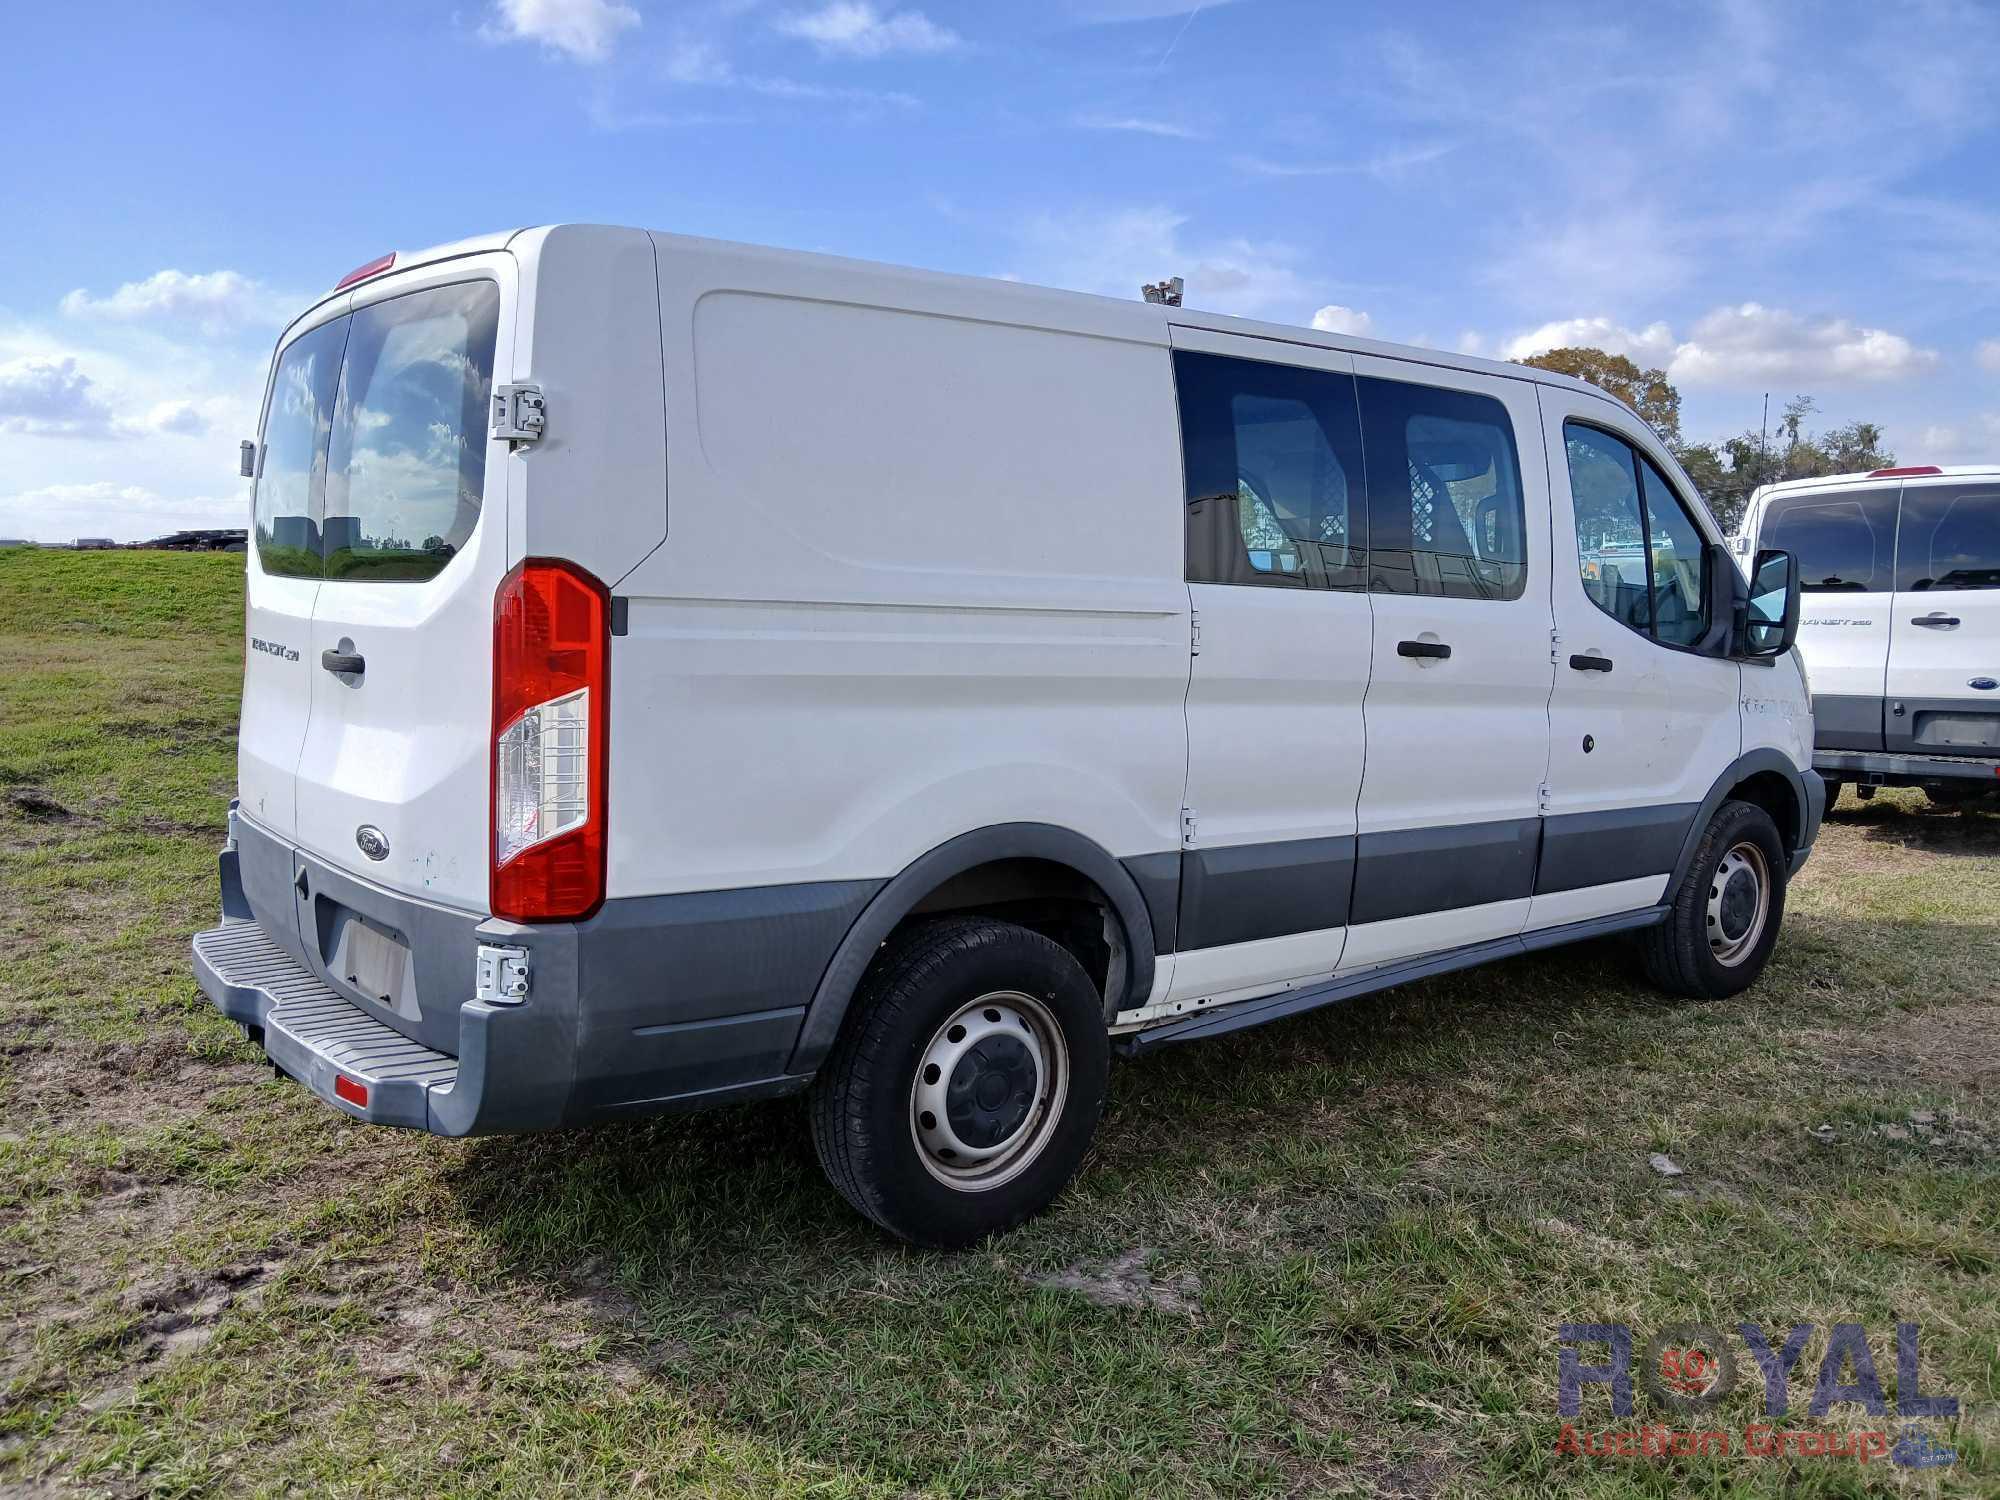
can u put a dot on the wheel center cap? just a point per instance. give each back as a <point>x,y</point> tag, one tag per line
<point>991,1091</point>
<point>1739,904</point>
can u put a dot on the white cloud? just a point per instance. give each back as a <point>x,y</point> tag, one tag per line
<point>1115,251</point>
<point>1750,343</point>
<point>585,30</point>
<point>51,398</point>
<point>702,63</point>
<point>1989,355</point>
<point>214,299</point>
<point>1111,12</point>
<point>1976,441</point>
<point>177,418</point>
<point>1139,126</point>
<point>854,28</point>
<point>1648,345</point>
<point>1743,346</point>
<point>1333,318</point>
<point>124,512</point>
<point>1387,164</point>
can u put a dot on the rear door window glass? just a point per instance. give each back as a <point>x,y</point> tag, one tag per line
<point>1950,538</point>
<point>1272,455</point>
<point>1445,508</point>
<point>407,464</point>
<point>291,476</point>
<point>1845,543</point>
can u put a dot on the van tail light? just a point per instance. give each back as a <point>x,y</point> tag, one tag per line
<point>1907,469</point>
<point>374,267</point>
<point>551,675</point>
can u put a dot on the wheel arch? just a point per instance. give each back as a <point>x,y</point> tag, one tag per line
<point>988,859</point>
<point>1767,778</point>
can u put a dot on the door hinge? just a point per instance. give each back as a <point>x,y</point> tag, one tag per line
<point>502,975</point>
<point>519,414</point>
<point>1555,645</point>
<point>1543,796</point>
<point>1194,632</point>
<point>1187,828</point>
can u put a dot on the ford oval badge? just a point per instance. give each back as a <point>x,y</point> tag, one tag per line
<point>374,843</point>
<point>1984,684</point>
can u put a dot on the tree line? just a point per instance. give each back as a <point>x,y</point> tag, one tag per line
<point>1728,471</point>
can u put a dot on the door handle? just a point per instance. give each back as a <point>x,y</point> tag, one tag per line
<point>1436,650</point>
<point>1937,620</point>
<point>1591,663</point>
<point>344,663</point>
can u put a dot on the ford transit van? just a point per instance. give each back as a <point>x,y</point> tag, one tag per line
<point>682,673</point>
<point>1901,625</point>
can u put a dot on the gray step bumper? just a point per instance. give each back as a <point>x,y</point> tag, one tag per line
<point>317,1036</point>
<point>1857,765</point>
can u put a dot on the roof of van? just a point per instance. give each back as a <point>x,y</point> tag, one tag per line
<point>1187,317</point>
<point>1918,472</point>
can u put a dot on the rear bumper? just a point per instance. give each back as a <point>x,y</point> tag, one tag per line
<point>1904,770</point>
<point>652,1004</point>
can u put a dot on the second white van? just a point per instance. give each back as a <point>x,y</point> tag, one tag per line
<point>1901,629</point>
<point>681,673</point>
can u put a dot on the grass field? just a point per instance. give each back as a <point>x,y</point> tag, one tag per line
<point>1329,1256</point>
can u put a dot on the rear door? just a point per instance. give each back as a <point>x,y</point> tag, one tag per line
<point>393,779</point>
<point>1944,651</point>
<point>1272,448</point>
<point>282,571</point>
<point>1845,541</point>
<point>1458,690</point>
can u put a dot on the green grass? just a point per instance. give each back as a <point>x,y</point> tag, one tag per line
<point>1361,1228</point>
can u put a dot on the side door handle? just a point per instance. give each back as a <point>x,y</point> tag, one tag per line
<point>346,663</point>
<point>1936,620</point>
<point>1591,663</point>
<point>1435,650</point>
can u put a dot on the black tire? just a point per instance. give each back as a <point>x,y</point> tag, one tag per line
<point>867,1100</point>
<point>1700,951</point>
<point>1833,787</point>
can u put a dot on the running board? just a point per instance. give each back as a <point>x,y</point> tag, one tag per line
<point>1245,1013</point>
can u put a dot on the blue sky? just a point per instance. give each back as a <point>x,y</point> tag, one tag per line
<point>1782,197</point>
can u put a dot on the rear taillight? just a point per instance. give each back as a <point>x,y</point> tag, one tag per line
<point>374,267</point>
<point>551,671</point>
<point>1907,469</point>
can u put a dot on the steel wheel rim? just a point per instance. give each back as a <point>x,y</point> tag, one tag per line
<point>1004,1035</point>
<point>1739,904</point>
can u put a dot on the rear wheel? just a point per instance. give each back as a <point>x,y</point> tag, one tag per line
<point>966,1083</point>
<point>1724,920</point>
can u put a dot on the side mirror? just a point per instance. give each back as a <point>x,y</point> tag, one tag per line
<point>1771,615</point>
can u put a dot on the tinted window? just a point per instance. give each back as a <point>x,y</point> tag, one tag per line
<point>1610,524</point>
<point>1444,493</point>
<point>1950,537</point>
<point>1679,557</point>
<point>1642,558</point>
<point>1273,462</point>
<point>292,464</point>
<point>407,460</point>
<point>1844,543</point>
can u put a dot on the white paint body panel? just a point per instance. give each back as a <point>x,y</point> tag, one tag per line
<point>1938,665</point>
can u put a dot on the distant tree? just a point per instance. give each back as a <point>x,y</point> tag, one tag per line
<point>1728,472</point>
<point>1648,392</point>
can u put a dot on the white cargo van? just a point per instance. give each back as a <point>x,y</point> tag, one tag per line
<point>683,673</point>
<point>1901,625</point>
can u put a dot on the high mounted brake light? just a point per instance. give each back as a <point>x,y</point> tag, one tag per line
<point>374,267</point>
<point>1899,473</point>
<point>551,675</point>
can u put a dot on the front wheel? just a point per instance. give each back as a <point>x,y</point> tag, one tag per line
<point>1724,920</point>
<point>966,1083</point>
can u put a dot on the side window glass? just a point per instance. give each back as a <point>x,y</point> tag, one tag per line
<point>291,478</point>
<point>1679,560</point>
<point>1950,538</point>
<point>1610,524</point>
<point>1845,543</point>
<point>1445,507</point>
<point>1273,462</point>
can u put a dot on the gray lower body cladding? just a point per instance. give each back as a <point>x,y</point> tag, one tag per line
<point>653,1003</point>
